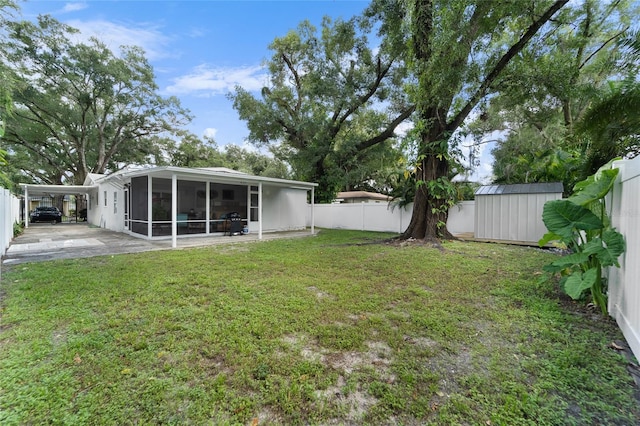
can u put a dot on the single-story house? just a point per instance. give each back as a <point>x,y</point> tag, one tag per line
<point>163,202</point>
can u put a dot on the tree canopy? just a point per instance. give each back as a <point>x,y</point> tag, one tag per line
<point>331,106</point>
<point>79,108</point>
<point>458,52</point>
<point>547,92</point>
<point>191,151</point>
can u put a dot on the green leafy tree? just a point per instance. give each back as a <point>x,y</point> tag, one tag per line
<point>331,106</point>
<point>548,89</point>
<point>6,8</point>
<point>458,53</point>
<point>612,124</point>
<point>255,163</point>
<point>194,152</point>
<point>81,109</point>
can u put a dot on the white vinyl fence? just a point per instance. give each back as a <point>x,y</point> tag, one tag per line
<point>382,218</point>
<point>624,282</point>
<point>9,214</point>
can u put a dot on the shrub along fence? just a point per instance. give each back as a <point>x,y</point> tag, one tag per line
<point>9,215</point>
<point>624,282</point>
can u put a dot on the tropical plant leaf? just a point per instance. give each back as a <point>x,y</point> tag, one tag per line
<point>607,249</point>
<point>583,184</point>
<point>578,282</point>
<point>571,259</point>
<point>596,189</point>
<point>562,217</point>
<point>548,237</point>
<point>552,268</point>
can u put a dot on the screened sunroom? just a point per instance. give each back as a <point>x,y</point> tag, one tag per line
<point>175,202</point>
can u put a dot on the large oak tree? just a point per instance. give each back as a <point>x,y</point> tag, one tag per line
<point>331,105</point>
<point>7,8</point>
<point>459,50</point>
<point>78,107</point>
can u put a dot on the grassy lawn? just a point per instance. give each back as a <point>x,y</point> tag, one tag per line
<point>317,330</point>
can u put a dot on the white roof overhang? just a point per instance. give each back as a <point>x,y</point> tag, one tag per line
<point>38,190</point>
<point>236,178</point>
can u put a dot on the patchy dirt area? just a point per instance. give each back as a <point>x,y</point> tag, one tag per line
<point>353,402</point>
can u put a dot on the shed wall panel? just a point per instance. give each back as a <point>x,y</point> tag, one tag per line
<point>511,217</point>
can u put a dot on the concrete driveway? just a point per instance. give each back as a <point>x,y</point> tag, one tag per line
<point>42,241</point>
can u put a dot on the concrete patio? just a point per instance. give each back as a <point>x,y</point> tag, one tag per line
<point>42,242</point>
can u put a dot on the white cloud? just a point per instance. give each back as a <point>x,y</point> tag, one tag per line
<point>210,132</point>
<point>147,36</point>
<point>197,32</point>
<point>73,7</point>
<point>207,80</point>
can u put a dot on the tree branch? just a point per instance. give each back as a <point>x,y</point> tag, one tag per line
<point>502,63</point>
<point>297,80</point>
<point>609,40</point>
<point>380,75</point>
<point>388,132</point>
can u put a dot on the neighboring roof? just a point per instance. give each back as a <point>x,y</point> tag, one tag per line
<point>521,188</point>
<point>362,194</point>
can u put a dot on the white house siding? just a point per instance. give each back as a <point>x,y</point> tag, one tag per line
<point>624,282</point>
<point>283,209</point>
<point>104,216</point>
<point>93,210</point>
<point>511,217</point>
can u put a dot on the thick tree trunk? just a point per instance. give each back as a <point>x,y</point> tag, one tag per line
<point>429,217</point>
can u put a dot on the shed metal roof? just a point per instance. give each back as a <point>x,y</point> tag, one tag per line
<point>521,188</point>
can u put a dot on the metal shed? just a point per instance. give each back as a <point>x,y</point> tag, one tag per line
<point>513,212</point>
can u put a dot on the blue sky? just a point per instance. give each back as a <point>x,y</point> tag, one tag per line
<point>200,49</point>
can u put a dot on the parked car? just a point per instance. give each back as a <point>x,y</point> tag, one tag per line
<point>46,214</point>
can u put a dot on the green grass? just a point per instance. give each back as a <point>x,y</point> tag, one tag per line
<point>320,330</point>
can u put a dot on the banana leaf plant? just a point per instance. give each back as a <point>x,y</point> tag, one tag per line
<point>581,224</point>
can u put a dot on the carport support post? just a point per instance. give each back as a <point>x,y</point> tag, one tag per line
<point>174,210</point>
<point>313,218</point>
<point>26,207</point>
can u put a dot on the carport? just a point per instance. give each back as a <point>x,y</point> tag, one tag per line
<point>33,190</point>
